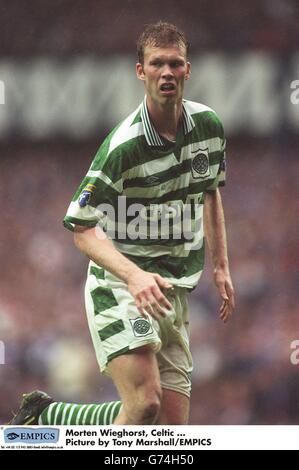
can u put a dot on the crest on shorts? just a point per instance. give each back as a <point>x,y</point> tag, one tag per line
<point>200,164</point>
<point>86,194</point>
<point>141,326</point>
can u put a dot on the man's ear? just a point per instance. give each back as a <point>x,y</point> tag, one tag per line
<point>139,71</point>
<point>188,71</point>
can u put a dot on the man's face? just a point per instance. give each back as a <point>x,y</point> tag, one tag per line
<point>164,72</point>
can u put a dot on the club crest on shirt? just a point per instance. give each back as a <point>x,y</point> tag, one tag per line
<point>86,194</point>
<point>200,164</point>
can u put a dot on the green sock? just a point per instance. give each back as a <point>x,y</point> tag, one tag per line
<point>70,413</point>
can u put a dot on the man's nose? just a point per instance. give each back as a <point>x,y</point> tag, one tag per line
<point>167,72</point>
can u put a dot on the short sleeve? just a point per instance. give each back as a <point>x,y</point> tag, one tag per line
<point>99,189</point>
<point>221,157</point>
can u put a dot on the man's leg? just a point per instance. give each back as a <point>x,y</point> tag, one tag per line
<point>137,379</point>
<point>136,376</point>
<point>174,408</point>
<point>175,363</point>
<point>79,414</point>
<point>39,408</point>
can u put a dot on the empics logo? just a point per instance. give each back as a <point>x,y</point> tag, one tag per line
<point>11,436</point>
<point>2,92</point>
<point>31,436</point>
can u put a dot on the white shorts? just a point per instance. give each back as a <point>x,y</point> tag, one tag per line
<point>117,327</point>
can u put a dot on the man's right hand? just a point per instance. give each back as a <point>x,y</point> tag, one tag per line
<point>146,288</point>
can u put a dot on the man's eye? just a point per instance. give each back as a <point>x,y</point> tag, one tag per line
<point>176,64</point>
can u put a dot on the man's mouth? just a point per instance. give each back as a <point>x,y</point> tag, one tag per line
<point>167,87</point>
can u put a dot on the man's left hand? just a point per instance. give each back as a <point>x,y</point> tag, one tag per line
<point>224,284</point>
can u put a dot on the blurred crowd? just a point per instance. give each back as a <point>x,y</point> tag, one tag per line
<point>70,27</point>
<point>243,373</point>
<point>242,370</point>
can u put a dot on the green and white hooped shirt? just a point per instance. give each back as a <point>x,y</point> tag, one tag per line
<point>148,193</point>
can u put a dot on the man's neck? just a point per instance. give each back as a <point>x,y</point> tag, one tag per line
<point>166,119</point>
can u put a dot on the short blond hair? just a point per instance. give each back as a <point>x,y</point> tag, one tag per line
<point>160,34</point>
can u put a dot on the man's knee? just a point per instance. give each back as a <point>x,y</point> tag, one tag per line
<point>148,404</point>
<point>137,378</point>
<point>151,408</point>
<point>174,408</point>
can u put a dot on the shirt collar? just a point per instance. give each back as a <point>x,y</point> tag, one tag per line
<point>152,137</point>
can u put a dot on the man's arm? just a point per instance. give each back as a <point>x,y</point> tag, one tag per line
<point>214,225</point>
<point>144,286</point>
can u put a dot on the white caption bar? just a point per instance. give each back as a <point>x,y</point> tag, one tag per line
<point>126,438</point>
